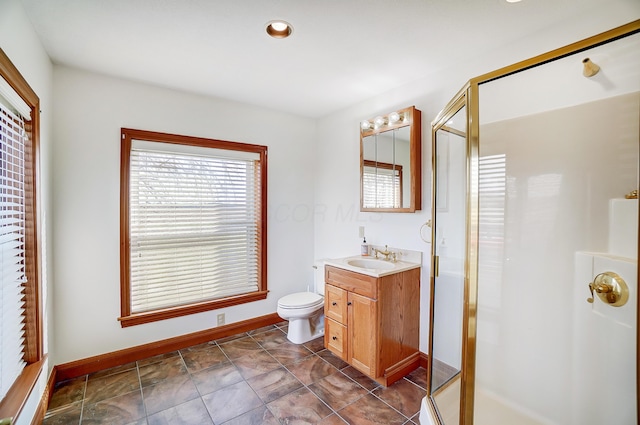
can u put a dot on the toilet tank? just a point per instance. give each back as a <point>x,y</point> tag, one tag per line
<point>318,277</point>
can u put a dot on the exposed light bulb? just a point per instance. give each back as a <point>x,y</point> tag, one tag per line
<point>379,121</point>
<point>365,125</point>
<point>394,117</point>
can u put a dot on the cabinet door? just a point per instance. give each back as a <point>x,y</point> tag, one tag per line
<point>362,329</point>
<point>335,338</point>
<point>335,304</point>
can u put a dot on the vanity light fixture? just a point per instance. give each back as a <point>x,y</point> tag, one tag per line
<point>394,119</point>
<point>279,29</point>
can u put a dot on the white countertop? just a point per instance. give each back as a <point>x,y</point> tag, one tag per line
<point>398,266</point>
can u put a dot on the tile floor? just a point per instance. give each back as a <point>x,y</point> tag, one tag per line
<point>257,377</point>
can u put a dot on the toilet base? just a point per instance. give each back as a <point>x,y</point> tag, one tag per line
<point>304,330</point>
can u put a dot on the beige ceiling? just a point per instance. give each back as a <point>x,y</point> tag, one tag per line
<point>341,51</point>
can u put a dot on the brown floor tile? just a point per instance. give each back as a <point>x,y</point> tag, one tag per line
<point>169,393</point>
<point>275,384</point>
<point>418,377</point>
<point>300,406</point>
<point>332,420</point>
<point>157,359</point>
<point>362,379</point>
<point>337,390</point>
<point>231,401</point>
<point>112,370</point>
<point>67,392</point>
<point>288,352</point>
<point>164,369</point>
<point>142,421</point>
<point>258,416</point>
<point>315,345</point>
<point>240,347</point>
<point>255,364</point>
<point>311,369</point>
<point>239,380</point>
<point>231,338</point>
<point>370,410</point>
<point>111,386</point>
<point>262,329</point>
<point>214,378</point>
<point>403,396</point>
<point>190,413</point>
<point>271,339</point>
<point>203,346</point>
<point>204,358</point>
<point>334,360</point>
<point>123,409</point>
<point>65,415</point>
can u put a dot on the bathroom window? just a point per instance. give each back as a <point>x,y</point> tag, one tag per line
<point>21,350</point>
<point>193,232</point>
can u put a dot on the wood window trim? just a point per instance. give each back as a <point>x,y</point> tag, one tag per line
<point>16,398</point>
<point>127,318</point>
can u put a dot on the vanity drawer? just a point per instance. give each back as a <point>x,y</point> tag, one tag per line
<point>335,338</point>
<point>351,281</point>
<point>335,303</point>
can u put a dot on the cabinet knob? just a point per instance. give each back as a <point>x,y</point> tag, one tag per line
<point>349,303</point>
<point>334,303</point>
<point>334,338</point>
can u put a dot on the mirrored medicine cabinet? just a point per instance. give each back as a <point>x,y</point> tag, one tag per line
<point>390,162</point>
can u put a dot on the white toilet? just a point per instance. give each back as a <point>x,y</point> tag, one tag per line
<point>305,310</point>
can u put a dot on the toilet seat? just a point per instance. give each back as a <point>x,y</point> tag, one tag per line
<point>300,300</point>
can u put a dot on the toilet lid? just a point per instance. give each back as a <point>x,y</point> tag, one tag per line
<point>300,300</point>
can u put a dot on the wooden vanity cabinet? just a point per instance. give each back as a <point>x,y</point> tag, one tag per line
<point>373,323</point>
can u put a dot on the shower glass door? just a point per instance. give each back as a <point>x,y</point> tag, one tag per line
<point>448,271</point>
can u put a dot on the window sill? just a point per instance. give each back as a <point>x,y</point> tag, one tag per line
<point>170,313</point>
<point>13,403</point>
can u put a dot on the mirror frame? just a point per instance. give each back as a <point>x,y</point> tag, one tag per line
<point>412,118</point>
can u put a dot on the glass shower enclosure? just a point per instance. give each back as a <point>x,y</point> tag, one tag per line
<point>535,241</point>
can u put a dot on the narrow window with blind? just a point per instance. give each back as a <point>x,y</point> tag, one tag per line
<point>193,229</point>
<point>21,351</point>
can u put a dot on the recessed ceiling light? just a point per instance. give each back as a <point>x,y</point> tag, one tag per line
<point>513,1</point>
<point>279,29</point>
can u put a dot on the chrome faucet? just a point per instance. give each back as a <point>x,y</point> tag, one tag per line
<point>386,253</point>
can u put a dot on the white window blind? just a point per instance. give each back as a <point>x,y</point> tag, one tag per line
<point>194,224</point>
<point>381,187</point>
<point>12,246</point>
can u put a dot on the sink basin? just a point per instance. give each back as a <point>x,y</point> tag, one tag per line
<point>371,264</point>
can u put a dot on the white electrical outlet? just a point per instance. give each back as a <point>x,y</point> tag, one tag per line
<point>220,319</point>
<point>361,232</point>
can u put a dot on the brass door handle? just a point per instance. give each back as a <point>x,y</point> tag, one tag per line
<point>610,288</point>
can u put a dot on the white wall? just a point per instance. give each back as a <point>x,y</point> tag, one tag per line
<point>20,43</point>
<point>90,109</point>
<point>337,149</point>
